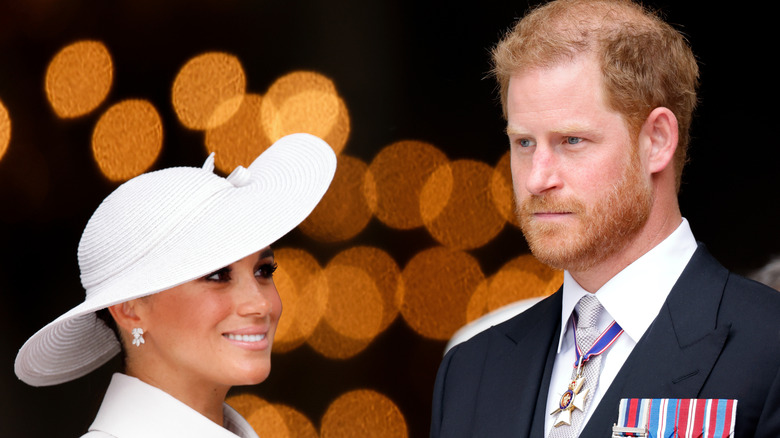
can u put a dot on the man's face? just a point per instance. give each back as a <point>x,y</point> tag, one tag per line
<point>582,190</point>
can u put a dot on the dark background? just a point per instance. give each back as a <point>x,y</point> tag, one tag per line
<point>406,70</point>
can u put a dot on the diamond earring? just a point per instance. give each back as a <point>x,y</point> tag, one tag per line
<point>138,336</point>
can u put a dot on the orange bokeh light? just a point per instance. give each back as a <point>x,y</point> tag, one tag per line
<point>502,191</point>
<point>207,90</point>
<point>356,306</point>
<point>520,278</point>
<point>127,139</point>
<point>5,130</point>
<point>456,207</point>
<point>241,139</point>
<point>399,172</point>
<point>305,101</point>
<point>328,342</point>
<point>303,290</point>
<point>354,314</point>
<point>363,413</point>
<point>438,284</point>
<point>78,78</point>
<point>343,211</point>
<point>383,270</point>
<point>264,417</point>
<point>297,423</point>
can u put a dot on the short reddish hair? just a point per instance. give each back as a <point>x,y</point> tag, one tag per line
<point>645,62</point>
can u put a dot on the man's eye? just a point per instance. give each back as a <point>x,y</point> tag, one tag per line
<point>526,142</point>
<point>266,270</point>
<point>573,140</point>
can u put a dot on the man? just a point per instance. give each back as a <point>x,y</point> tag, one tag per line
<point>598,97</point>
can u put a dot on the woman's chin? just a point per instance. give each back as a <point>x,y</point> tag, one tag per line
<point>254,376</point>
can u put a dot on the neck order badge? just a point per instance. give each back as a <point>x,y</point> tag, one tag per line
<point>572,399</point>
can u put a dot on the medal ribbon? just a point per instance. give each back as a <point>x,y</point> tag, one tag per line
<point>678,418</point>
<point>604,341</point>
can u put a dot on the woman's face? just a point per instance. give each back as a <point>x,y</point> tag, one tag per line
<point>215,331</point>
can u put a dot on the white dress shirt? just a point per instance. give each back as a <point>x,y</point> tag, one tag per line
<point>134,409</point>
<point>633,298</point>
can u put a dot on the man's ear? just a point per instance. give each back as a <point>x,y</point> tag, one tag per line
<point>125,315</point>
<point>659,136</point>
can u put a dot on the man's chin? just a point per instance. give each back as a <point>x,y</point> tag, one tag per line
<point>561,249</point>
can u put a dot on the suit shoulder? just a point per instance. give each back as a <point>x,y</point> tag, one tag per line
<point>748,299</point>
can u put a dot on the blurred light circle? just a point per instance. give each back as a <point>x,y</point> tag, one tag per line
<point>399,172</point>
<point>502,191</point>
<point>241,139</point>
<point>5,130</point>
<point>305,101</point>
<point>297,423</point>
<point>267,420</point>
<point>384,272</point>
<point>363,413</point>
<point>477,305</point>
<point>303,290</point>
<point>328,342</point>
<point>356,310</point>
<point>127,139</point>
<point>343,212</point>
<point>438,284</point>
<point>520,278</point>
<point>78,78</point>
<point>456,206</point>
<point>208,90</point>
<point>354,314</point>
<point>264,417</point>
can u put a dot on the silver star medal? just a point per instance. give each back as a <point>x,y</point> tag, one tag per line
<point>570,400</point>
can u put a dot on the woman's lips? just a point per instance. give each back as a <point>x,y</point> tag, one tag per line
<point>245,338</point>
<point>250,338</point>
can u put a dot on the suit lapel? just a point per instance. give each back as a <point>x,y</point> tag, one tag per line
<point>676,354</point>
<point>516,378</point>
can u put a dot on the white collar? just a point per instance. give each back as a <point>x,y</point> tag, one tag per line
<point>132,408</point>
<point>635,295</point>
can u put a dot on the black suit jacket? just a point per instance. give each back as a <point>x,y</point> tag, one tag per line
<point>716,336</point>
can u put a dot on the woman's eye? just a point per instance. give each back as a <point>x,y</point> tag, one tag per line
<point>266,270</point>
<point>221,275</point>
<point>574,140</point>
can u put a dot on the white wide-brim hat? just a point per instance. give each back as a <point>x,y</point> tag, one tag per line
<point>167,227</point>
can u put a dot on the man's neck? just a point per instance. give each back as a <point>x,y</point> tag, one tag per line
<point>653,233</point>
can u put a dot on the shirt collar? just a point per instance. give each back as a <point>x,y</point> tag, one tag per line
<point>635,295</point>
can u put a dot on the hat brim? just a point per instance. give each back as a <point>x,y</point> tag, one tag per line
<point>287,181</point>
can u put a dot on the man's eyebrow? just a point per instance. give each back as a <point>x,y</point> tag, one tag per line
<point>564,130</point>
<point>512,130</point>
<point>572,128</point>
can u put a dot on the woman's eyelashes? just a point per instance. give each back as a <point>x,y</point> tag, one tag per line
<point>221,275</point>
<point>266,270</point>
<point>224,275</point>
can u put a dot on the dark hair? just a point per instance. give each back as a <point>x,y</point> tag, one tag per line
<point>105,316</point>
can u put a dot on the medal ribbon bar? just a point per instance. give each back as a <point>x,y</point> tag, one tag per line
<point>676,418</point>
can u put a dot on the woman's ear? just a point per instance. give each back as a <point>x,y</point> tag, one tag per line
<point>125,315</point>
<point>659,134</point>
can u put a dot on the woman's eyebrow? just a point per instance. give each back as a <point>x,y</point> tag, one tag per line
<point>268,252</point>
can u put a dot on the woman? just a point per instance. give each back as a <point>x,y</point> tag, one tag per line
<point>178,276</point>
